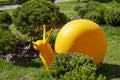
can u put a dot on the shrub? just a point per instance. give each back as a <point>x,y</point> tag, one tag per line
<point>5,18</point>
<point>81,9</point>
<point>18,1</point>
<point>6,39</point>
<point>82,12</point>
<point>103,1</point>
<point>94,16</point>
<point>84,0</point>
<point>32,15</point>
<point>67,66</point>
<point>118,1</point>
<point>101,9</point>
<point>92,5</point>
<point>51,1</point>
<point>88,7</point>
<point>112,16</point>
<point>53,37</point>
<point>77,7</point>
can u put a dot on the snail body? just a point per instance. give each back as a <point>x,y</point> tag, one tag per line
<point>81,36</point>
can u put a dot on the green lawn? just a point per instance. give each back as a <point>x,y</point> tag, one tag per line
<point>24,71</point>
<point>67,8</point>
<point>111,63</point>
<point>35,70</point>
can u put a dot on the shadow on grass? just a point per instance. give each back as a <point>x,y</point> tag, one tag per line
<point>111,71</point>
<point>33,64</point>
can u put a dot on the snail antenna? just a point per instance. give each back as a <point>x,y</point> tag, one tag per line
<point>44,32</point>
<point>49,35</point>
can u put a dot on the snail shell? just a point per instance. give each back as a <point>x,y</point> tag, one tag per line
<point>82,36</point>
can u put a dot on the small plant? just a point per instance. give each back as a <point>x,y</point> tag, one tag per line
<point>73,67</point>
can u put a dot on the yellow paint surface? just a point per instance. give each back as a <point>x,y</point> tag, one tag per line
<point>83,36</point>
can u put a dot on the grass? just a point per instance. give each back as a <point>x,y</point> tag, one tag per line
<point>67,8</point>
<point>111,63</point>
<point>24,71</point>
<point>35,70</point>
<point>113,52</point>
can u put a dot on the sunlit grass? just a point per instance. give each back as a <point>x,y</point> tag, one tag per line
<point>67,8</point>
<point>24,71</point>
<point>113,52</point>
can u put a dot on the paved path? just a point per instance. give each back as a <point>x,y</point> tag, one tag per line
<point>56,1</point>
<point>4,7</point>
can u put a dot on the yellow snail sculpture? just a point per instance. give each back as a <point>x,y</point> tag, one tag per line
<point>81,36</point>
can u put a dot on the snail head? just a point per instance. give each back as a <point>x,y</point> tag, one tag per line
<point>39,44</point>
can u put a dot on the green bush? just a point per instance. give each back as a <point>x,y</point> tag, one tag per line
<point>92,5</point>
<point>83,1</point>
<point>82,11</point>
<point>101,9</point>
<point>53,37</point>
<point>88,7</point>
<point>32,15</point>
<point>18,1</point>
<point>5,18</point>
<point>118,1</point>
<point>7,39</point>
<point>103,1</point>
<point>51,1</point>
<point>94,16</point>
<point>67,66</point>
<point>112,16</point>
